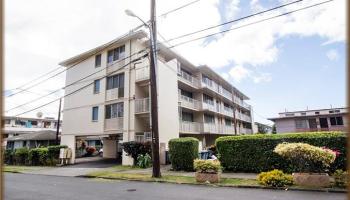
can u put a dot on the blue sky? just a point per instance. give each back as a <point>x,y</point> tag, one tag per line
<point>286,63</point>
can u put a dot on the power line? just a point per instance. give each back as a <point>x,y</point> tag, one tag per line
<point>259,21</point>
<point>13,94</point>
<point>235,20</point>
<point>73,83</point>
<point>81,88</point>
<point>252,23</point>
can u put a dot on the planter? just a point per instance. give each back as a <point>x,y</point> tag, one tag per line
<point>311,179</point>
<point>210,177</point>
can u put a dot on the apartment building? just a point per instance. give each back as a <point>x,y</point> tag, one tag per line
<point>332,119</point>
<point>16,126</point>
<point>192,101</point>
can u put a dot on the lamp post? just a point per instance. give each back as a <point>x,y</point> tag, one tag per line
<point>153,80</point>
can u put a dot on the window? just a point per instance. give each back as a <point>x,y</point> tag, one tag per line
<point>34,123</point>
<point>228,122</point>
<point>333,121</point>
<point>98,60</point>
<point>209,119</point>
<point>331,111</point>
<point>336,121</point>
<point>116,81</point>
<point>317,113</point>
<point>116,54</point>
<point>207,80</point>
<point>20,122</point>
<point>301,124</point>
<point>114,110</point>
<point>7,121</point>
<point>303,113</point>
<point>337,111</point>
<point>187,117</point>
<point>208,99</point>
<point>289,114</point>
<point>186,93</point>
<point>227,107</point>
<point>339,120</point>
<point>97,86</point>
<point>95,113</point>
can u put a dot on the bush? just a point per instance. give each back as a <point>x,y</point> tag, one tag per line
<point>308,158</point>
<point>134,149</point>
<point>275,178</point>
<point>207,166</point>
<point>254,153</point>
<point>144,161</point>
<point>54,151</point>
<point>38,156</point>
<point>340,178</point>
<point>21,156</point>
<point>9,156</point>
<point>182,153</point>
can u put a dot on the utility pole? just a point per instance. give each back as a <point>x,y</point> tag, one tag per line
<point>154,98</point>
<point>58,121</point>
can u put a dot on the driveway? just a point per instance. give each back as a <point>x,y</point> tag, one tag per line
<point>82,167</point>
<point>38,187</point>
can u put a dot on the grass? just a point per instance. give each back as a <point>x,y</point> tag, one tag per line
<point>169,178</point>
<point>19,169</point>
<point>124,168</point>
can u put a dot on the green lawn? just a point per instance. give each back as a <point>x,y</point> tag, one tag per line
<point>19,169</point>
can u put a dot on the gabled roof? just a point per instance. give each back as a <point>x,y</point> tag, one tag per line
<point>39,135</point>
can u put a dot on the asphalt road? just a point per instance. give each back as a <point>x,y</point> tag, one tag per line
<point>27,186</point>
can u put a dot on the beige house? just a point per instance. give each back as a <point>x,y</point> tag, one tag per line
<point>333,119</point>
<point>192,101</point>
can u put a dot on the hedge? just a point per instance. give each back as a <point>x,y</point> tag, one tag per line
<point>54,151</point>
<point>21,156</point>
<point>183,151</point>
<point>38,156</point>
<point>254,153</point>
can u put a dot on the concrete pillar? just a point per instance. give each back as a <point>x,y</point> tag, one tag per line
<point>127,160</point>
<point>162,147</point>
<point>109,148</point>
<point>69,140</point>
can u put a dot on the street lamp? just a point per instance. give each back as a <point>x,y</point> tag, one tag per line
<point>154,99</point>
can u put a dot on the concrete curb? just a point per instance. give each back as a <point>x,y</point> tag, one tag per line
<point>330,190</point>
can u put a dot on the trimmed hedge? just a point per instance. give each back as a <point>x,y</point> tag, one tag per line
<point>54,151</point>
<point>254,153</point>
<point>134,149</point>
<point>38,156</point>
<point>21,156</point>
<point>183,151</point>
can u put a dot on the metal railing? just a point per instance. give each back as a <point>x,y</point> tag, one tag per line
<point>210,128</point>
<point>114,123</point>
<point>191,80</point>
<point>189,127</point>
<point>189,102</point>
<point>142,105</point>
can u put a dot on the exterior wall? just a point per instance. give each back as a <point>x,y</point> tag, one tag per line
<point>109,148</point>
<point>285,126</point>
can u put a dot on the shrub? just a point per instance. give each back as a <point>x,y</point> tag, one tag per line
<point>254,153</point>
<point>275,178</point>
<point>134,149</point>
<point>38,156</point>
<point>21,156</point>
<point>207,166</point>
<point>308,158</point>
<point>9,156</point>
<point>182,153</point>
<point>144,161</point>
<point>340,178</point>
<point>54,151</point>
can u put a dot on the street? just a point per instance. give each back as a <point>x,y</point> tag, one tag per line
<point>28,186</point>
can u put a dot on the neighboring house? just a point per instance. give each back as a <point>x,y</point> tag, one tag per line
<point>333,119</point>
<point>259,127</point>
<point>32,140</point>
<point>14,126</point>
<point>192,101</point>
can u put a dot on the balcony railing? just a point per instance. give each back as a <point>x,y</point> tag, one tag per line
<point>227,112</point>
<point>187,78</point>
<point>114,93</point>
<point>210,128</point>
<point>142,105</point>
<point>245,118</point>
<point>142,73</point>
<point>227,130</point>
<point>189,127</point>
<point>245,131</point>
<point>189,102</point>
<point>212,86</point>
<point>226,94</point>
<point>114,124</point>
<point>206,106</point>
<point>113,66</point>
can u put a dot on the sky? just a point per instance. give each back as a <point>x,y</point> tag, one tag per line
<point>294,62</point>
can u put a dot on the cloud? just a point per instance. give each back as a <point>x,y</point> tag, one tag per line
<point>264,77</point>
<point>332,55</point>
<point>239,73</point>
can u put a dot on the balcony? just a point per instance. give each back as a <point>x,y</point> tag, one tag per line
<point>212,86</point>
<point>245,131</point>
<point>142,74</point>
<point>226,94</point>
<point>114,124</point>
<point>142,105</point>
<point>114,93</point>
<point>246,118</point>
<point>210,128</point>
<point>206,106</point>
<point>189,79</point>
<point>115,65</point>
<point>188,102</point>
<point>229,130</point>
<point>227,112</point>
<point>189,127</point>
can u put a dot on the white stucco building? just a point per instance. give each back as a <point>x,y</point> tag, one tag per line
<point>332,119</point>
<point>192,101</point>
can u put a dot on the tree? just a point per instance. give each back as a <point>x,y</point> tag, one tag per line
<point>262,129</point>
<point>274,129</point>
